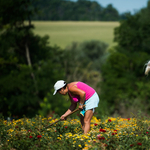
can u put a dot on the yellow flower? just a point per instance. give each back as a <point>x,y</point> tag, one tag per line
<point>132,133</point>
<point>85,148</point>
<point>80,146</point>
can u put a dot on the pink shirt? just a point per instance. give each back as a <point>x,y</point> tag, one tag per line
<point>89,91</point>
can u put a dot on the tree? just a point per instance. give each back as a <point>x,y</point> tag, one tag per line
<point>27,63</point>
<point>84,10</point>
<point>110,14</point>
<point>124,83</point>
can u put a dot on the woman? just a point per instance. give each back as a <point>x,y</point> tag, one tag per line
<point>82,93</point>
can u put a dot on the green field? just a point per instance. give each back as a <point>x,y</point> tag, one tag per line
<point>63,33</point>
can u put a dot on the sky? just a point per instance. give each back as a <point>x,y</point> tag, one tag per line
<point>124,5</point>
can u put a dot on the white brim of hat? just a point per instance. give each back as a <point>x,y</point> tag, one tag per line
<point>55,92</point>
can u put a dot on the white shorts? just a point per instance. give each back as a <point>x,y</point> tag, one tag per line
<point>91,103</point>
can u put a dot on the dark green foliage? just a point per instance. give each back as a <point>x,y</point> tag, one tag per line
<point>124,86</point>
<point>23,87</point>
<point>81,10</point>
<point>28,68</point>
<point>15,12</point>
<point>110,14</point>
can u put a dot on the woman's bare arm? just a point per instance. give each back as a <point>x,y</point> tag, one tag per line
<point>71,108</point>
<point>76,91</point>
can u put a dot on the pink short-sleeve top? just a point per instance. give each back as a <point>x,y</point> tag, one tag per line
<point>89,91</point>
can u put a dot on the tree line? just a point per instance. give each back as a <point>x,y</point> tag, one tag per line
<point>29,66</point>
<point>81,10</point>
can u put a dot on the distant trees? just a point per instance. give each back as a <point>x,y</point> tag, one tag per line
<point>81,10</point>
<point>110,14</point>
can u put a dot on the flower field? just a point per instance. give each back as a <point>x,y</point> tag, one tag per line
<point>107,133</point>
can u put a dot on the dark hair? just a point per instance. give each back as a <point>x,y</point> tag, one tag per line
<point>65,85</point>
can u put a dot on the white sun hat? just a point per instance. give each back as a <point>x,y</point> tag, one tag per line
<point>147,69</point>
<point>58,85</point>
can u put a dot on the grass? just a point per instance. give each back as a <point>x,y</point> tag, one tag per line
<point>63,33</point>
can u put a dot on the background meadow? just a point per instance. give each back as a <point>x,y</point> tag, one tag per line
<point>63,33</point>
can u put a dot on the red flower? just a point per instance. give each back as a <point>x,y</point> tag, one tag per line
<point>131,145</point>
<point>128,119</point>
<point>29,130</point>
<point>102,130</point>
<point>109,120</point>
<point>66,127</point>
<point>139,143</point>
<point>95,124</point>
<point>115,130</point>
<point>113,133</point>
<point>30,137</point>
<point>16,126</point>
<point>39,136</point>
<point>147,132</point>
<point>101,138</point>
<point>105,144</point>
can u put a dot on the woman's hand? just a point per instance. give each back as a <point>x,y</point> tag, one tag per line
<point>80,107</point>
<point>62,117</point>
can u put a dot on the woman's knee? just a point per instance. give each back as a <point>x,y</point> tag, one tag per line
<point>87,121</point>
<point>88,116</point>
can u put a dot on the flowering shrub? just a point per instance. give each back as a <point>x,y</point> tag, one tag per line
<point>109,133</point>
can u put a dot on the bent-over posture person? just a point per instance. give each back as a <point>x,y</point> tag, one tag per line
<point>82,93</point>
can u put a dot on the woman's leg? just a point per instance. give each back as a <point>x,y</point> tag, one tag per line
<point>82,122</point>
<point>87,120</point>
